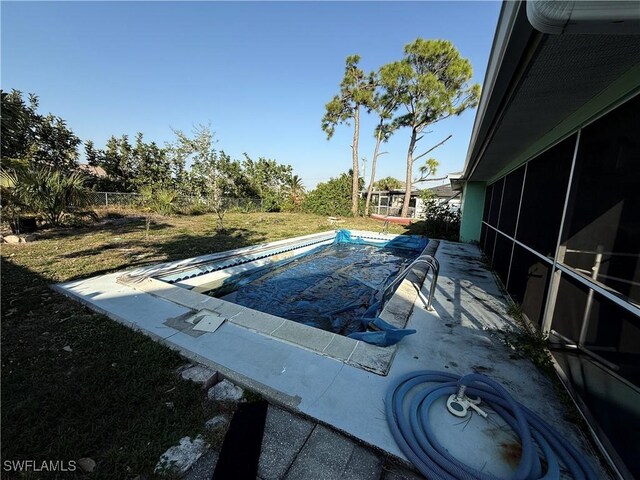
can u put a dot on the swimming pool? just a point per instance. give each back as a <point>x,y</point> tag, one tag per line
<point>330,287</point>
<point>311,291</point>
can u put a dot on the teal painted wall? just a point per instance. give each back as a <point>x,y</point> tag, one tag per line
<point>472,206</point>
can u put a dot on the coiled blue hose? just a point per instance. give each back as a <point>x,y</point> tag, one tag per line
<point>412,431</point>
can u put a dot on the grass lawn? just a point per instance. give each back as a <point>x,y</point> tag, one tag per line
<point>76,384</point>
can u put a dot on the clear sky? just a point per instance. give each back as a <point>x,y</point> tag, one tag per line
<point>259,72</point>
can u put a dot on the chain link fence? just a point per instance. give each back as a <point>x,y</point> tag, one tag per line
<point>111,199</point>
<point>132,200</point>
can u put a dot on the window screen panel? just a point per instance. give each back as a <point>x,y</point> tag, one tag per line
<point>543,198</point>
<point>511,201</point>
<point>502,256</point>
<point>489,244</point>
<point>487,203</point>
<point>483,236</point>
<point>602,227</point>
<point>611,331</point>
<point>495,202</point>
<point>614,404</point>
<point>528,282</point>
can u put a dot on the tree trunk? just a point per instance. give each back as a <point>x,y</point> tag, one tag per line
<point>409,179</point>
<point>355,194</point>
<point>373,172</point>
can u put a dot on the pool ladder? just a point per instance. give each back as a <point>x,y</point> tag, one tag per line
<point>431,262</point>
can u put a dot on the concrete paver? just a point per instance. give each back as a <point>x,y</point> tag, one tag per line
<point>397,473</point>
<point>363,464</point>
<point>329,455</point>
<point>284,436</point>
<point>296,448</point>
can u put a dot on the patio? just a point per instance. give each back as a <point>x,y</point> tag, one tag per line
<point>459,336</point>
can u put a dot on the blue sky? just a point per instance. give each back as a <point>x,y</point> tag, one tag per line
<point>259,72</point>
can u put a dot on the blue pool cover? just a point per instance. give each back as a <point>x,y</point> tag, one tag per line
<point>336,287</point>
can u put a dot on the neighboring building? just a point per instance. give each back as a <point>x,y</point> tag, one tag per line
<point>551,192</point>
<point>389,202</point>
<point>98,172</point>
<point>445,195</point>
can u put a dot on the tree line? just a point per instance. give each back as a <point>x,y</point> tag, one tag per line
<point>429,84</point>
<point>41,174</point>
<point>190,165</point>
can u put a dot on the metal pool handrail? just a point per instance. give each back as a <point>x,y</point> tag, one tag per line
<point>431,262</point>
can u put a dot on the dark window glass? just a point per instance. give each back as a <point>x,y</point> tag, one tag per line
<point>614,404</point>
<point>502,256</point>
<point>487,203</point>
<point>543,198</point>
<point>602,228</point>
<point>511,201</point>
<point>610,331</point>
<point>488,248</point>
<point>528,282</point>
<point>569,309</point>
<point>495,202</point>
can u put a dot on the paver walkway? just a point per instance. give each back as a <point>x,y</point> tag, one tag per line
<point>294,448</point>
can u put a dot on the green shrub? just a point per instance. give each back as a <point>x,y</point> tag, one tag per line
<point>49,194</point>
<point>158,200</point>
<point>330,198</point>
<point>271,202</point>
<point>194,209</point>
<point>440,222</point>
<point>291,205</point>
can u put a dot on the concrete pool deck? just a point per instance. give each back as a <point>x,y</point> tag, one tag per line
<point>456,337</point>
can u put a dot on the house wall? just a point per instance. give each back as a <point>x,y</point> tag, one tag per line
<point>562,231</point>
<point>472,207</point>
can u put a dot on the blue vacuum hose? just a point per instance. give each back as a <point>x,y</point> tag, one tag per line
<point>412,430</point>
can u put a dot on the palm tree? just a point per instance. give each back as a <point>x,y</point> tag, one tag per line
<point>296,185</point>
<point>296,190</point>
<point>389,183</point>
<point>52,194</point>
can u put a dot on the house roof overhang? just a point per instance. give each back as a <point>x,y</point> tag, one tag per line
<point>535,80</point>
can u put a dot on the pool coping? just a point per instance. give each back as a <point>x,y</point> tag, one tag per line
<point>372,358</point>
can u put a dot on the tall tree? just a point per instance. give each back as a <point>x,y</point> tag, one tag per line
<point>117,160</point>
<point>152,165</point>
<point>295,189</point>
<point>213,174</point>
<point>265,177</point>
<point>431,82</point>
<point>18,129</point>
<point>384,104</point>
<point>56,146</point>
<point>356,91</point>
<point>295,185</point>
<point>41,141</point>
